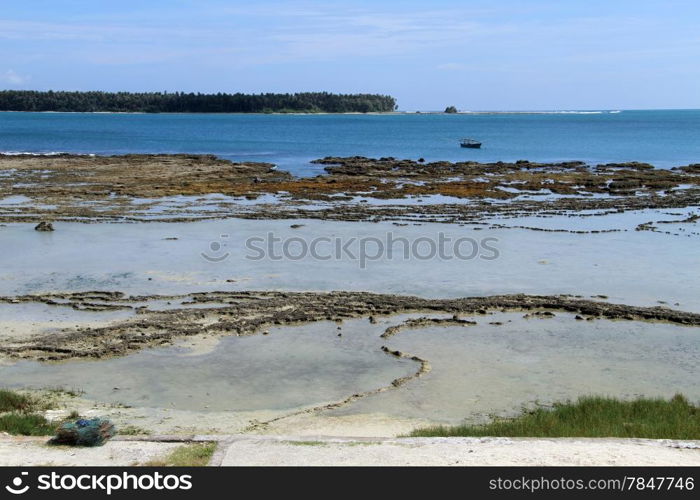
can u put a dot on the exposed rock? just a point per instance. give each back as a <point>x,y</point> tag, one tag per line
<point>44,227</point>
<point>248,313</point>
<point>88,188</point>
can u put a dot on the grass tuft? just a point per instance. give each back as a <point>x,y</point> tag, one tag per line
<point>306,443</point>
<point>73,415</point>
<point>132,430</point>
<point>191,455</point>
<point>26,424</point>
<point>65,391</point>
<point>13,401</point>
<point>591,416</point>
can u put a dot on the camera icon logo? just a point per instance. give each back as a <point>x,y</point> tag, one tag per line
<point>217,252</point>
<point>16,488</point>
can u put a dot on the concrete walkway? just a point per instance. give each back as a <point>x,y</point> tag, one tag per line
<point>33,451</point>
<point>267,450</point>
<point>294,450</point>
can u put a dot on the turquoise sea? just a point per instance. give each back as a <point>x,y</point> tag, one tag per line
<point>663,138</point>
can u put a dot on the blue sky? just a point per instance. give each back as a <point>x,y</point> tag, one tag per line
<point>477,55</point>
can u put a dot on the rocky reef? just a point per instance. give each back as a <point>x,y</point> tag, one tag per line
<point>248,313</point>
<point>133,187</point>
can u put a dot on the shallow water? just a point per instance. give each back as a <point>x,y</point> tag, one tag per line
<point>15,200</point>
<point>593,220</point>
<point>291,367</point>
<point>634,267</point>
<point>24,319</point>
<point>478,371</point>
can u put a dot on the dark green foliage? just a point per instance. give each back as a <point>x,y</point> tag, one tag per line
<point>592,417</point>
<point>12,401</point>
<point>180,102</point>
<point>25,424</point>
<point>450,109</point>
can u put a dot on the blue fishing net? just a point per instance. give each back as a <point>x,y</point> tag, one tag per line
<point>84,432</point>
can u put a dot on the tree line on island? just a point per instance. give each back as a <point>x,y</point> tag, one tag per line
<point>180,102</point>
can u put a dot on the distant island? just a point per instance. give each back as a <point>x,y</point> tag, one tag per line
<point>180,102</point>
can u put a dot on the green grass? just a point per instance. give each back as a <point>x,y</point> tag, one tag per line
<point>26,424</point>
<point>591,416</point>
<point>306,443</point>
<point>13,401</point>
<point>16,415</point>
<point>19,414</point>
<point>191,455</point>
<point>65,391</point>
<point>132,430</point>
<point>40,400</point>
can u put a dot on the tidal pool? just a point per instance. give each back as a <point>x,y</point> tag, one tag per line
<point>589,220</point>
<point>476,371</point>
<point>484,370</point>
<point>633,267</point>
<point>21,320</point>
<point>292,367</point>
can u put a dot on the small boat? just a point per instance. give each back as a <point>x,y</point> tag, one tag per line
<point>470,143</point>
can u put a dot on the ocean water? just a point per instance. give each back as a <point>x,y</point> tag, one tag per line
<point>663,138</point>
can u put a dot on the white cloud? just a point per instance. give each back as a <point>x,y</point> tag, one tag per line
<point>13,78</point>
<point>258,35</point>
<point>264,34</point>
